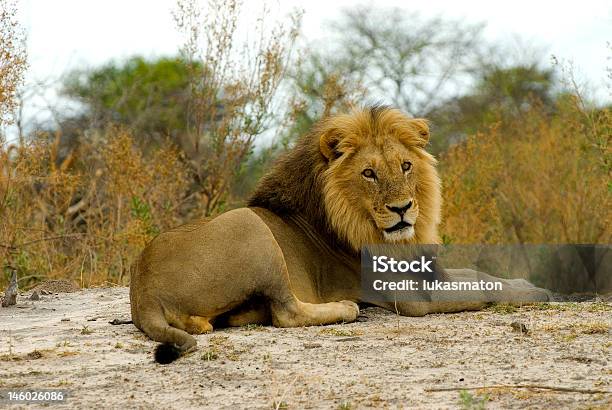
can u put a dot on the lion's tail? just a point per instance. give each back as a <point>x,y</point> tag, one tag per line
<point>174,341</point>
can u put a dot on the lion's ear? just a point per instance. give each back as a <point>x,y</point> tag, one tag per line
<point>329,144</point>
<point>421,126</point>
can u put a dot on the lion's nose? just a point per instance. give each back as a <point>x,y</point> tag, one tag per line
<point>400,208</point>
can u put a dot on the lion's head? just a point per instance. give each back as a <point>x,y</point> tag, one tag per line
<point>361,178</point>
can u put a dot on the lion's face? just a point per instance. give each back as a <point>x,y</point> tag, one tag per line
<point>379,179</point>
<point>384,180</point>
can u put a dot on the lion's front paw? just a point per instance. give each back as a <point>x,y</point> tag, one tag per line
<point>352,311</point>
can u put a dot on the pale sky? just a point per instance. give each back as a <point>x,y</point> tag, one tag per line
<point>66,34</point>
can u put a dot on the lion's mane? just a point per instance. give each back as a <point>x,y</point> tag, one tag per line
<point>298,183</point>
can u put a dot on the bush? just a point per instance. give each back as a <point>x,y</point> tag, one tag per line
<point>88,215</point>
<point>533,178</point>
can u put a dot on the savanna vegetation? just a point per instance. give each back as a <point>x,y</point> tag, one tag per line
<point>524,155</point>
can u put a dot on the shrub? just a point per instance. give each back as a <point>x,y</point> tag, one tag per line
<point>534,178</point>
<point>85,216</point>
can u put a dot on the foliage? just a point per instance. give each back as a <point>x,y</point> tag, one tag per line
<point>498,92</point>
<point>470,402</point>
<point>213,101</point>
<point>400,58</point>
<point>85,217</point>
<point>532,178</point>
<point>12,58</point>
<point>148,97</point>
<point>233,83</point>
<point>164,141</point>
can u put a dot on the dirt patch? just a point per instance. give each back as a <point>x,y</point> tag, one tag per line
<point>66,342</point>
<point>56,286</point>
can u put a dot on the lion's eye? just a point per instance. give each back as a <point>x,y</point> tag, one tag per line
<point>369,173</point>
<point>406,166</point>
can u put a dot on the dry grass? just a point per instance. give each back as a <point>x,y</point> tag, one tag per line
<point>222,346</point>
<point>595,328</point>
<point>85,211</point>
<point>233,84</point>
<point>590,328</point>
<point>333,331</point>
<point>537,178</point>
<point>12,59</point>
<point>85,216</point>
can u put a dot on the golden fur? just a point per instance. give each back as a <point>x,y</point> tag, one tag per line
<point>321,177</point>
<point>291,258</point>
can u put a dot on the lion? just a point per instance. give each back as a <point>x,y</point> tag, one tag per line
<point>292,256</point>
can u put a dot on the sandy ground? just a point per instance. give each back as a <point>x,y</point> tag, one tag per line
<point>64,341</point>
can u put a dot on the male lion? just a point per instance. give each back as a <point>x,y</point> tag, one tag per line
<point>291,258</point>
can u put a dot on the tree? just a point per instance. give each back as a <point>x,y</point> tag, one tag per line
<point>12,58</point>
<point>12,68</point>
<point>150,97</point>
<point>498,92</point>
<point>435,68</point>
<point>233,84</point>
<point>406,59</point>
<point>319,89</point>
<point>387,55</point>
<point>213,101</point>
<point>411,60</point>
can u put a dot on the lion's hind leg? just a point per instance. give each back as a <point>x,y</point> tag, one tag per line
<point>196,325</point>
<point>291,312</point>
<point>287,310</point>
<point>295,313</point>
<point>259,272</point>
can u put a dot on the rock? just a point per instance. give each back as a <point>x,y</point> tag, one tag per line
<point>311,345</point>
<point>10,295</point>
<point>34,355</point>
<point>35,296</point>
<point>520,327</point>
